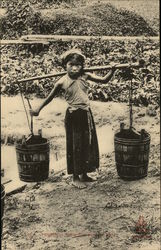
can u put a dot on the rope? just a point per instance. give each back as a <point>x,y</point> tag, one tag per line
<point>24,108</point>
<point>130,104</point>
<point>31,116</point>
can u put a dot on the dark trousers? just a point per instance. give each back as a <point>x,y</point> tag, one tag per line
<point>81,141</point>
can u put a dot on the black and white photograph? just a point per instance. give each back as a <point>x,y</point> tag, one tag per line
<point>80,124</point>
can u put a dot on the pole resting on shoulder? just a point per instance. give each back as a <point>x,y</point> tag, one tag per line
<point>139,64</point>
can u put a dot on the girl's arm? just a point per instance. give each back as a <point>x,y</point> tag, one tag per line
<point>100,79</point>
<point>52,94</point>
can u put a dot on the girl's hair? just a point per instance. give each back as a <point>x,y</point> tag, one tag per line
<point>72,55</point>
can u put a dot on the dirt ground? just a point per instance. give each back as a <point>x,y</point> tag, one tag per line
<point>55,215</point>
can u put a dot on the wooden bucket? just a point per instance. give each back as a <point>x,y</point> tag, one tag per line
<point>33,160</point>
<point>131,154</point>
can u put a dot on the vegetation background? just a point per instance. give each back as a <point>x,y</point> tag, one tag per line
<point>52,214</point>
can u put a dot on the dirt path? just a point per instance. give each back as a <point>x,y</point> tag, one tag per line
<point>54,215</point>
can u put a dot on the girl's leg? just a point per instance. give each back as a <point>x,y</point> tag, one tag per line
<point>77,182</point>
<point>85,178</point>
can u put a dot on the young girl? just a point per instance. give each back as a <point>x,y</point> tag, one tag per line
<point>81,139</point>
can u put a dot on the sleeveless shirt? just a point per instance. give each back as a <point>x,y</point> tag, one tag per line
<point>76,92</point>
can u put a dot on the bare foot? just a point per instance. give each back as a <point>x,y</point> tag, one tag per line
<point>86,178</point>
<point>78,184</point>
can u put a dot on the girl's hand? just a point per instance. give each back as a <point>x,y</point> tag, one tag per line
<point>34,112</point>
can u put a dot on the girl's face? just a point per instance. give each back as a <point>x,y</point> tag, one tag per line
<point>74,68</point>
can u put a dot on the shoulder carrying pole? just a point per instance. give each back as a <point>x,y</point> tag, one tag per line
<point>91,69</point>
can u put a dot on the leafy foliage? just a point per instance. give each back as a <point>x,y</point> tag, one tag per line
<point>96,19</point>
<point>25,61</point>
<point>40,3</point>
<point>20,19</point>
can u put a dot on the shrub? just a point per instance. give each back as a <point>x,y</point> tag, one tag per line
<point>25,61</point>
<point>20,19</point>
